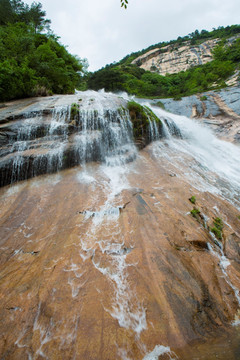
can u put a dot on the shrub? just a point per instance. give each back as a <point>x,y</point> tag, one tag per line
<point>217,229</point>
<point>195,212</point>
<point>74,111</point>
<point>193,199</point>
<point>217,233</point>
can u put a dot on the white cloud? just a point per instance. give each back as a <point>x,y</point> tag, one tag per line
<point>103,32</point>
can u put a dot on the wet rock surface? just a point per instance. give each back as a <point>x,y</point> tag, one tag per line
<point>101,262</point>
<point>120,259</point>
<point>218,109</point>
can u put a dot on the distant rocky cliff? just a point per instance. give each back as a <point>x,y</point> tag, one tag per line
<point>174,58</point>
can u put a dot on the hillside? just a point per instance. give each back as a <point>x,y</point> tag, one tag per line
<point>197,63</point>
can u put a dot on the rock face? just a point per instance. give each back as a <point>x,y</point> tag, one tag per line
<point>123,259</point>
<point>218,109</point>
<point>172,59</point>
<point>103,263</point>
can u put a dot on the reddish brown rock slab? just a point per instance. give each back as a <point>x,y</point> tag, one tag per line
<point>88,272</point>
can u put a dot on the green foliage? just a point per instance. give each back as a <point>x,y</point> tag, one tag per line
<point>124,3</point>
<point>195,212</point>
<point>203,98</point>
<point>32,63</point>
<point>218,223</point>
<point>217,229</point>
<point>177,98</point>
<point>74,111</point>
<point>217,233</point>
<point>193,199</point>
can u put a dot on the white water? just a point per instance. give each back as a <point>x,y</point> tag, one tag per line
<point>214,165</point>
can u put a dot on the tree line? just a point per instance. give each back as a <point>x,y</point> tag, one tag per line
<point>32,60</point>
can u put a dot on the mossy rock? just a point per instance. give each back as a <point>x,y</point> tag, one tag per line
<point>141,116</point>
<point>74,111</point>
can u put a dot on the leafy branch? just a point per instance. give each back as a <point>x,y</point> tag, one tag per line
<point>124,3</point>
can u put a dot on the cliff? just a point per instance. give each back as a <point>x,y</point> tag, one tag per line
<point>174,58</point>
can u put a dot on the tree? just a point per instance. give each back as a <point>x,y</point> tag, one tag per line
<point>36,17</point>
<point>6,12</point>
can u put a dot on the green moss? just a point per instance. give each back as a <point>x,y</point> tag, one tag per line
<point>74,111</point>
<point>141,117</point>
<point>151,115</point>
<point>143,113</point>
<point>121,110</point>
<point>193,199</point>
<point>203,98</point>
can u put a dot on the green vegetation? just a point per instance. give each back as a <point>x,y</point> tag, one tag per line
<point>203,98</point>
<point>195,213</point>
<point>159,104</point>
<point>193,199</point>
<point>238,217</point>
<point>141,117</point>
<point>217,229</point>
<point>124,3</point>
<point>74,111</point>
<point>33,63</point>
<point>218,223</point>
<point>125,76</point>
<point>217,233</point>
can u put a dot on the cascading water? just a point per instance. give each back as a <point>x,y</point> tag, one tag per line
<point>213,164</point>
<point>47,143</point>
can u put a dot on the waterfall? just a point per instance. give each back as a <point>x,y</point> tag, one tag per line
<point>213,164</point>
<point>46,142</point>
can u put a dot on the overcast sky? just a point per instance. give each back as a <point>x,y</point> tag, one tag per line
<point>103,32</point>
